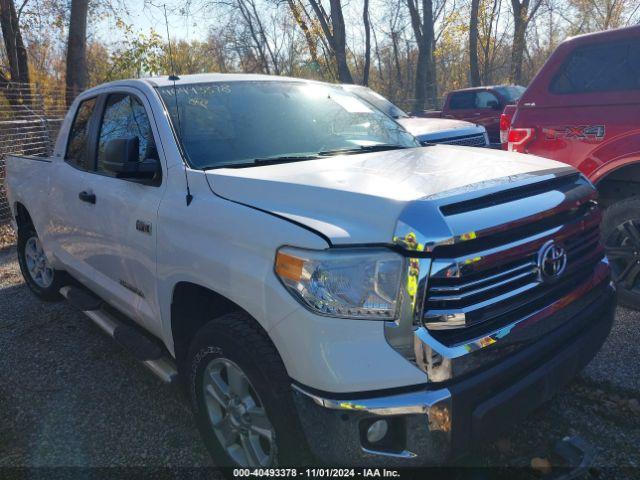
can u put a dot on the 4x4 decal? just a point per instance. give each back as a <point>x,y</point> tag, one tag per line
<point>579,132</point>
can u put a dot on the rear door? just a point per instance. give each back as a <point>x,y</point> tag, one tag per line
<point>70,210</point>
<point>461,105</point>
<point>487,113</point>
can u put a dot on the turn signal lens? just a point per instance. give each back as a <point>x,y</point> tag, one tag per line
<point>289,267</point>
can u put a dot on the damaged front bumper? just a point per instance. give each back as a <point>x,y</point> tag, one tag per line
<point>431,424</point>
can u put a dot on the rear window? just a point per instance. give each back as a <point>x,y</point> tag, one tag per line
<point>486,100</point>
<point>462,100</point>
<point>512,93</point>
<point>600,68</point>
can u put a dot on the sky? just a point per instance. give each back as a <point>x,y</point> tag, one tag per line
<point>144,16</point>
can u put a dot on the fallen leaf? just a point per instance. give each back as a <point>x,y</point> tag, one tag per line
<point>541,465</point>
<point>7,236</point>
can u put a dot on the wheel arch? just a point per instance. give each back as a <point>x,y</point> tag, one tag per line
<point>23,218</point>
<point>619,183</point>
<point>192,307</point>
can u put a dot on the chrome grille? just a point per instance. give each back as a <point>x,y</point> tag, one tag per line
<point>475,140</point>
<point>476,290</point>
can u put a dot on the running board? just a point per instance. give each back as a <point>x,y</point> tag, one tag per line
<point>148,352</point>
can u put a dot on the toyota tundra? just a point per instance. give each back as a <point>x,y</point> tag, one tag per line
<point>324,288</point>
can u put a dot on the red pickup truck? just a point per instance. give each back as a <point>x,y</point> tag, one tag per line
<point>481,105</point>
<point>583,108</point>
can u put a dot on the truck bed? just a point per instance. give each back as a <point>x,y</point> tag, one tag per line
<point>27,182</point>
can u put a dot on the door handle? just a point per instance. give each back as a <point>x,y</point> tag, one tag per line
<point>87,197</point>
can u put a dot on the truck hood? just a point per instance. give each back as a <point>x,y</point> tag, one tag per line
<point>359,199</point>
<point>417,126</point>
<point>435,130</point>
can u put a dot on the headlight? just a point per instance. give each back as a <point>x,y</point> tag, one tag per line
<point>353,283</point>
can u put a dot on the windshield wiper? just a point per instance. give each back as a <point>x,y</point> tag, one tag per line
<point>283,159</point>
<point>362,149</point>
<point>300,158</point>
<point>265,161</point>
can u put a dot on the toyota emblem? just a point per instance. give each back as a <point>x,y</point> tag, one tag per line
<point>552,260</point>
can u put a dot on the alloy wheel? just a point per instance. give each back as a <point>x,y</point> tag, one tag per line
<point>622,247</point>
<point>237,415</point>
<point>38,266</point>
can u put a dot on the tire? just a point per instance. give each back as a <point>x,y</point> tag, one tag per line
<point>47,285</point>
<point>231,343</point>
<point>621,239</point>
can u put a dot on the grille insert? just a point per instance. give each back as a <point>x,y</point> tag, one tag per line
<point>475,140</point>
<point>507,283</point>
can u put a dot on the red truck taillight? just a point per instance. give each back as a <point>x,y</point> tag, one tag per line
<point>505,123</point>
<point>518,139</point>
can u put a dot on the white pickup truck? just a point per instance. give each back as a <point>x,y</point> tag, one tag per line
<point>448,131</point>
<point>326,289</point>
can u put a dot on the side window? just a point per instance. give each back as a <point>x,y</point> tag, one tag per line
<point>600,68</point>
<point>486,100</point>
<point>462,101</point>
<point>125,117</point>
<point>77,148</point>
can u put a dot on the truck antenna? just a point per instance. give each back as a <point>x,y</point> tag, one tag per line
<point>173,77</point>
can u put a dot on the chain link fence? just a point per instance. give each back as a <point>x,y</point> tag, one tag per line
<point>30,117</point>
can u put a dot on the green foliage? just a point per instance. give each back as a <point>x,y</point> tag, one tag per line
<point>138,54</point>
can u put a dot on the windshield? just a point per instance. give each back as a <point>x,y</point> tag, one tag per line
<point>245,123</point>
<point>376,100</point>
<point>511,93</point>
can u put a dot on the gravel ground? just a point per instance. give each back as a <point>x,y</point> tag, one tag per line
<point>618,363</point>
<point>69,396</point>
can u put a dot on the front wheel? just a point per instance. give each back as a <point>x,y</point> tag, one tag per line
<point>241,396</point>
<point>621,238</point>
<point>40,276</point>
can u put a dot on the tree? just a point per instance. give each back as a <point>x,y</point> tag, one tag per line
<point>300,17</point>
<point>474,69</point>
<point>334,31</point>
<point>256,32</point>
<point>422,24</point>
<point>76,78</point>
<point>494,43</point>
<point>586,16</point>
<point>367,43</point>
<point>521,18</point>
<point>13,43</point>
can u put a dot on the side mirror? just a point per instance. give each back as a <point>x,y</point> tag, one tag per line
<point>121,159</point>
